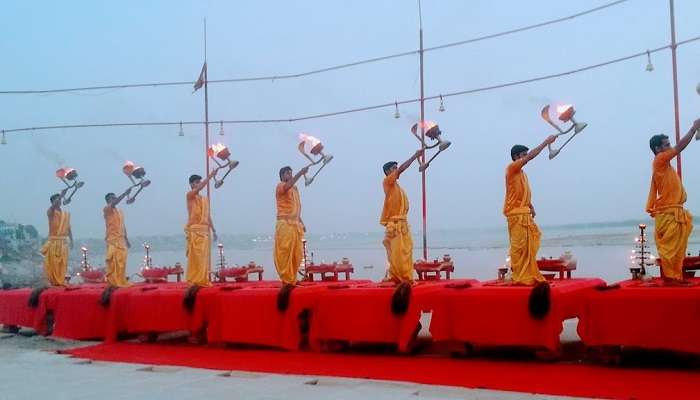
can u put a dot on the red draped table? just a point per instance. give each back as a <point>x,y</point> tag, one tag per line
<point>362,313</point>
<point>248,314</point>
<point>77,313</point>
<point>158,309</point>
<point>643,315</point>
<point>494,314</point>
<point>15,311</point>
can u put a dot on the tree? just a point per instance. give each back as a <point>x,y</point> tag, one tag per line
<point>31,231</point>
<point>19,232</point>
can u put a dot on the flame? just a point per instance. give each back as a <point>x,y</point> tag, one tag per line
<point>561,109</point>
<point>427,125</point>
<point>63,172</point>
<point>128,168</point>
<point>215,149</point>
<point>309,140</point>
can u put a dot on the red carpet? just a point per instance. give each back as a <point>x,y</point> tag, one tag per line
<point>529,377</point>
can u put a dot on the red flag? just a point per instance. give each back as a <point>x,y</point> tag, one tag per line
<point>200,80</point>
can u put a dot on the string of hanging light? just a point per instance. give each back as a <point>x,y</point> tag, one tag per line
<point>395,104</point>
<point>325,69</point>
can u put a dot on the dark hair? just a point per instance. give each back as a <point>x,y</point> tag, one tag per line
<point>656,141</point>
<point>283,170</point>
<point>109,194</point>
<point>54,197</point>
<point>517,149</point>
<point>387,166</point>
<point>194,178</point>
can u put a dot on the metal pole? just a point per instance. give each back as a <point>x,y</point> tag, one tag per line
<point>675,87</point>
<point>422,136</point>
<point>206,112</point>
<point>206,126</point>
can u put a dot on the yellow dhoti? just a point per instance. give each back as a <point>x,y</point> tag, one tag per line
<point>399,250</point>
<point>524,244</point>
<point>673,222</point>
<point>198,249</point>
<point>55,252</point>
<point>673,228</point>
<point>115,260</point>
<point>288,249</point>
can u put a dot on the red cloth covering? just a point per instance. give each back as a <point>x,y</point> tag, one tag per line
<point>645,315</point>
<point>142,308</point>
<point>15,311</point>
<point>362,313</point>
<point>493,314</point>
<point>249,315</point>
<point>159,308</point>
<point>565,378</point>
<point>77,312</point>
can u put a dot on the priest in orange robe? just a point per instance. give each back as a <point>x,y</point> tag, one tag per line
<point>673,223</point>
<point>55,250</point>
<point>522,229</point>
<point>289,230</point>
<point>197,233</point>
<point>116,240</point>
<point>397,235</point>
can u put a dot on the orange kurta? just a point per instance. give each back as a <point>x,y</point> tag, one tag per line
<point>198,240</point>
<point>116,252</point>
<point>289,233</point>
<point>522,230</point>
<point>55,250</point>
<point>397,236</point>
<point>673,223</point>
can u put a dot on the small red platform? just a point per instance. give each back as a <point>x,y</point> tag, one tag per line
<point>496,314</point>
<point>433,270</point>
<point>563,266</point>
<point>238,274</point>
<point>362,314</point>
<point>249,315</point>
<point>14,310</point>
<point>644,315</point>
<point>328,272</point>
<point>161,274</point>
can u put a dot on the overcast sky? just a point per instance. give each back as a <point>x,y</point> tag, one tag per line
<point>603,175</point>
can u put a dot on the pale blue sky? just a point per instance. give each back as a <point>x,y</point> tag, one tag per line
<point>603,175</point>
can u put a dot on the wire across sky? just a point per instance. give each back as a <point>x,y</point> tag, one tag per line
<point>342,66</point>
<point>320,70</point>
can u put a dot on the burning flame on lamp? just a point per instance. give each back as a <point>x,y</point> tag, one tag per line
<point>136,175</point>
<point>69,177</point>
<point>315,148</point>
<point>220,154</point>
<point>219,151</point>
<point>313,144</point>
<point>565,113</point>
<point>433,132</point>
<point>67,173</point>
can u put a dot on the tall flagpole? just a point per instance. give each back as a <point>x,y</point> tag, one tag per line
<point>206,124</point>
<point>206,113</point>
<point>675,87</point>
<point>422,134</point>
